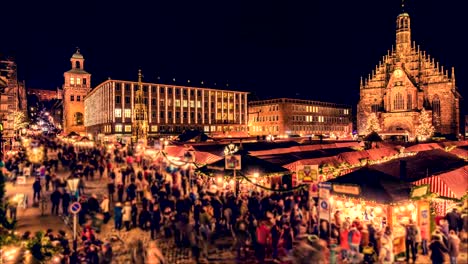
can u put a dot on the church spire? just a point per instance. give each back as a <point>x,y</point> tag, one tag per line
<point>403,32</point>
<point>139,78</point>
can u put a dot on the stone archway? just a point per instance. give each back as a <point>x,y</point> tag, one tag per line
<point>398,125</point>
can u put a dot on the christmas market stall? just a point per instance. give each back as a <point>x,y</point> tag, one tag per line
<point>367,196</point>
<point>241,172</point>
<point>449,188</point>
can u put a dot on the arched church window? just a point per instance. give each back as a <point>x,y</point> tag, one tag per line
<point>77,64</point>
<point>78,118</point>
<point>409,102</point>
<point>398,102</point>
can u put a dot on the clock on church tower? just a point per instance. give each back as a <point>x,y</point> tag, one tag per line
<point>77,84</point>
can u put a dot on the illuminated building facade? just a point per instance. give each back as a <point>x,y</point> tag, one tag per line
<point>76,86</point>
<point>12,98</point>
<point>44,94</point>
<point>285,117</point>
<point>171,109</point>
<point>404,82</point>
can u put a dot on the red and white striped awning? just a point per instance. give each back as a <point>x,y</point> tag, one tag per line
<point>451,184</point>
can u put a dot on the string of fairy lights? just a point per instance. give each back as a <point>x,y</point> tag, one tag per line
<point>238,174</point>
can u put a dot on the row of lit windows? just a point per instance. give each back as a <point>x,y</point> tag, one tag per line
<point>265,118</point>
<point>265,128</point>
<point>78,81</point>
<point>177,91</point>
<point>316,109</point>
<point>178,115</point>
<point>319,128</point>
<point>154,128</point>
<point>309,118</point>
<point>178,103</point>
<point>127,112</point>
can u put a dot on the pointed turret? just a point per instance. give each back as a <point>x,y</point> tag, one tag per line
<point>453,75</point>
<point>403,33</point>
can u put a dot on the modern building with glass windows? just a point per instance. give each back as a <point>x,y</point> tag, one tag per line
<point>287,117</point>
<point>171,110</point>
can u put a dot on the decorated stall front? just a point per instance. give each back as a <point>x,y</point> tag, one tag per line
<point>448,189</point>
<point>243,173</point>
<point>371,197</point>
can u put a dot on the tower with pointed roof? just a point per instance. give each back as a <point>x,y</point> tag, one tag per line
<point>140,116</point>
<point>405,81</point>
<point>77,84</point>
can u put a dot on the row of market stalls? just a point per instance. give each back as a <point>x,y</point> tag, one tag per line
<point>385,186</point>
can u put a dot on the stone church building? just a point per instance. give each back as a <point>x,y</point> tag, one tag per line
<point>77,85</point>
<point>404,82</point>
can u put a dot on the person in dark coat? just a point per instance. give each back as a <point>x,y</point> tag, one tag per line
<point>111,189</point>
<point>155,225</point>
<point>453,219</point>
<point>55,198</point>
<point>118,216</point>
<point>93,204</point>
<point>37,190</point>
<point>65,202</point>
<point>134,213</point>
<point>120,191</point>
<point>437,250</point>
<point>143,219</point>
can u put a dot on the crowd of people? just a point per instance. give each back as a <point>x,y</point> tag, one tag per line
<point>177,204</point>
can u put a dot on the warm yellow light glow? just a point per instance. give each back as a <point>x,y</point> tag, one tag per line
<point>396,210</point>
<point>411,207</point>
<point>339,203</point>
<point>359,206</point>
<point>378,210</point>
<point>402,208</point>
<point>219,179</point>
<point>255,174</point>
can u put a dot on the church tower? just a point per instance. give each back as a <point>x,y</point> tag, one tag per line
<point>403,33</point>
<point>404,82</point>
<point>76,86</point>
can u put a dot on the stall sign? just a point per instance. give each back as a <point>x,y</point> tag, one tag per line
<point>420,191</point>
<point>307,173</point>
<point>424,219</point>
<point>232,162</point>
<point>346,189</point>
<point>324,190</point>
<point>324,209</point>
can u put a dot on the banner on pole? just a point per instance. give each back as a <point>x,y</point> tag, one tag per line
<point>324,209</point>
<point>233,162</point>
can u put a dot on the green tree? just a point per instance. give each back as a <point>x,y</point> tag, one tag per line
<point>425,129</point>
<point>372,124</point>
<point>19,120</point>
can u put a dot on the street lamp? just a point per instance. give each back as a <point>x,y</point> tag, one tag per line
<point>72,184</point>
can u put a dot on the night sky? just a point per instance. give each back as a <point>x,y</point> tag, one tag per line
<point>306,49</point>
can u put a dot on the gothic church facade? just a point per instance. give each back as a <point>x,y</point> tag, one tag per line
<point>404,82</point>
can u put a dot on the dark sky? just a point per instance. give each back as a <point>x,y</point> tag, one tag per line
<point>310,49</point>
